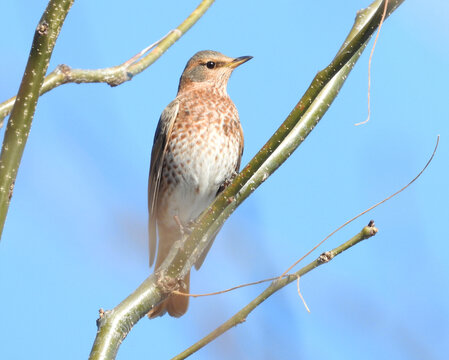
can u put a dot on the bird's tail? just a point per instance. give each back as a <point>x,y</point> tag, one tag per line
<point>175,305</point>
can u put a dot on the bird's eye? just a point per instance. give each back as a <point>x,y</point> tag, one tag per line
<point>210,64</point>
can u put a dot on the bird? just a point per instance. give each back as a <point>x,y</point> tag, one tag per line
<point>197,148</point>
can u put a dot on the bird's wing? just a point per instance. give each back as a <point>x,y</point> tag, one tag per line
<point>241,147</point>
<point>163,132</point>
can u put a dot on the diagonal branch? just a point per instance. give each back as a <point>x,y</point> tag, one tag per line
<point>115,75</point>
<point>367,232</point>
<point>298,125</point>
<point>19,124</point>
<point>63,74</point>
<point>115,324</point>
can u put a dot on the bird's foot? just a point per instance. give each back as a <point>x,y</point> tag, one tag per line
<point>185,229</point>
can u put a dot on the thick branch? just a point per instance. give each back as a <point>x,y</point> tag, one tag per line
<point>240,317</point>
<point>115,324</point>
<point>119,74</point>
<point>288,137</point>
<point>298,125</point>
<point>19,124</point>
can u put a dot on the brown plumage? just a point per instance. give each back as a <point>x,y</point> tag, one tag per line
<point>197,149</point>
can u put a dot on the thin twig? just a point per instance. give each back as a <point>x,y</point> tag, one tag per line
<point>285,273</point>
<point>369,209</point>
<point>239,317</point>
<point>119,74</point>
<point>369,64</point>
<point>141,53</point>
<point>227,290</point>
<point>300,295</point>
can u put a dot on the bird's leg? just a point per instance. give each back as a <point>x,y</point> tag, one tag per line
<point>187,228</point>
<point>182,228</point>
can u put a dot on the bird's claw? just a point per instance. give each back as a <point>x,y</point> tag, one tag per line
<point>186,229</point>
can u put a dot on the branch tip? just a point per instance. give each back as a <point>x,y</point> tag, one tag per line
<point>369,231</point>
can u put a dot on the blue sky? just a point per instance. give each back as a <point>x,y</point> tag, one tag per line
<point>75,238</point>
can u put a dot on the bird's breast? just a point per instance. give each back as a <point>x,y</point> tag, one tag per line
<point>203,151</point>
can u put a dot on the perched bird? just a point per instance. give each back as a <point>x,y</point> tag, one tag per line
<point>196,152</point>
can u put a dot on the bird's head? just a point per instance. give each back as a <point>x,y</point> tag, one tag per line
<point>209,68</point>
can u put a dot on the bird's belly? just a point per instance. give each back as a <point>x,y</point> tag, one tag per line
<point>194,171</point>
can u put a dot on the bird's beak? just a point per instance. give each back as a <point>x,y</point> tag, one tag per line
<point>238,61</point>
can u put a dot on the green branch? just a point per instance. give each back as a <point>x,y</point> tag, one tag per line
<point>115,75</point>
<point>114,326</point>
<point>294,130</point>
<point>240,317</point>
<point>63,74</point>
<point>19,123</point>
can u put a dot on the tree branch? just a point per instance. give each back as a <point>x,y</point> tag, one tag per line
<point>19,124</point>
<point>298,125</point>
<point>119,74</point>
<point>115,325</point>
<point>367,232</point>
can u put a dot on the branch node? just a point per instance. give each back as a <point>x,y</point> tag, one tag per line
<point>325,257</point>
<point>230,199</point>
<point>241,321</point>
<point>42,28</point>
<point>11,190</point>
<point>168,284</point>
<point>123,76</point>
<point>175,31</point>
<point>63,69</point>
<point>102,314</point>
